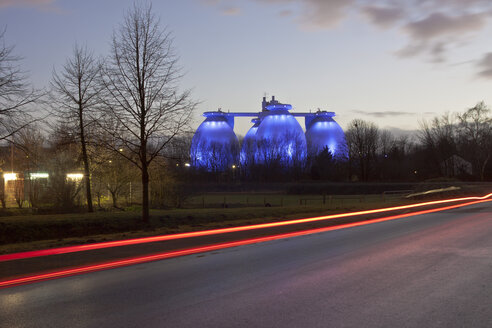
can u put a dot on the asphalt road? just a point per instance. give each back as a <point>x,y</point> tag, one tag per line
<point>431,270</point>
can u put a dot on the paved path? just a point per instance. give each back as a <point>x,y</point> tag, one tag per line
<point>431,270</point>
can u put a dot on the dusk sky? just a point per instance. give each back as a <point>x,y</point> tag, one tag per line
<point>393,62</point>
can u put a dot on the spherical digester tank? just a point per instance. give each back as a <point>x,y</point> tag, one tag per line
<point>215,146</point>
<point>323,132</point>
<point>248,147</point>
<point>280,138</point>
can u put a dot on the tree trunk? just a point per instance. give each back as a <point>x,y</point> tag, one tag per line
<point>145,193</point>
<point>114,197</point>
<point>85,159</point>
<point>87,177</point>
<point>482,171</point>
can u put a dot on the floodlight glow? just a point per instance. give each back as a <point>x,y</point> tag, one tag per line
<point>39,175</point>
<point>322,132</point>
<point>9,176</point>
<point>214,146</point>
<point>279,138</point>
<point>75,176</point>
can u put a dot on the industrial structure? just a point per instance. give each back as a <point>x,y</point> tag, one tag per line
<point>275,137</point>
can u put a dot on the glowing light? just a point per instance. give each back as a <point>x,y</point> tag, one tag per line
<point>10,177</point>
<point>323,132</point>
<point>187,164</point>
<point>121,149</point>
<point>233,166</point>
<point>75,176</point>
<point>280,140</point>
<point>214,146</point>
<point>144,240</point>
<point>208,248</point>
<point>39,175</point>
<point>249,144</point>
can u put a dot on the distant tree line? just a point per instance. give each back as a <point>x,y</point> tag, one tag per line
<point>456,146</point>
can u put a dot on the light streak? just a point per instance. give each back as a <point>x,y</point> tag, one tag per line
<point>208,248</point>
<point>143,240</point>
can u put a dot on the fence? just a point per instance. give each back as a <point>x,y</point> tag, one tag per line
<point>229,200</point>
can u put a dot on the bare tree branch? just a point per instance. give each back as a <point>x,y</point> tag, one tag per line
<point>17,99</point>
<point>76,94</point>
<point>145,109</point>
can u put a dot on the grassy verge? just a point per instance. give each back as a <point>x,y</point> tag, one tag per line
<point>28,232</point>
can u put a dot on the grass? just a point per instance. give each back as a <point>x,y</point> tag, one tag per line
<point>274,199</point>
<point>26,232</point>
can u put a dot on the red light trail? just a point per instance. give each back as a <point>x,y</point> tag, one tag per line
<point>165,255</point>
<point>135,241</point>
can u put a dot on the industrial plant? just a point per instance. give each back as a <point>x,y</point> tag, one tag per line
<point>276,136</point>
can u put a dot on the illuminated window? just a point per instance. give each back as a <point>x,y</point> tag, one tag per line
<point>39,175</point>
<point>10,176</point>
<point>75,176</point>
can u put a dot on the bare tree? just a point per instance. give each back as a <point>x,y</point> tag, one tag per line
<point>475,136</point>
<point>362,141</point>
<point>16,97</point>
<point>439,141</point>
<point>386,142</point>
<point>76,91</point>
<point>145,109</point>
<point>31,155</point>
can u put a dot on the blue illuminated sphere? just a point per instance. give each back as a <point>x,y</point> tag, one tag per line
<point>280,138</point>
<point>323,132</point>
<point>248,148</point>
<point>214,146</point>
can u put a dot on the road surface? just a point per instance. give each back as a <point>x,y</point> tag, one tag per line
<point>431,270</point>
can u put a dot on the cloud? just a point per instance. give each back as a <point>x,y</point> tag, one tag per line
<point>438,51</point>
<point>231,11</point>
<point>323,14</point>
<point>383,113</point>
<point>435,34</point>
<point>485,66</point>
<point>316,14</point>
<point>438,25</point>
<point>401,133</point>
<point>26,3</point>
<point>383,17</point>
<point>285,13</point>
<point>433,28</point>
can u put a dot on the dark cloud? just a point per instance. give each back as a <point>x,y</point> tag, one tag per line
<point>485,66</point>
